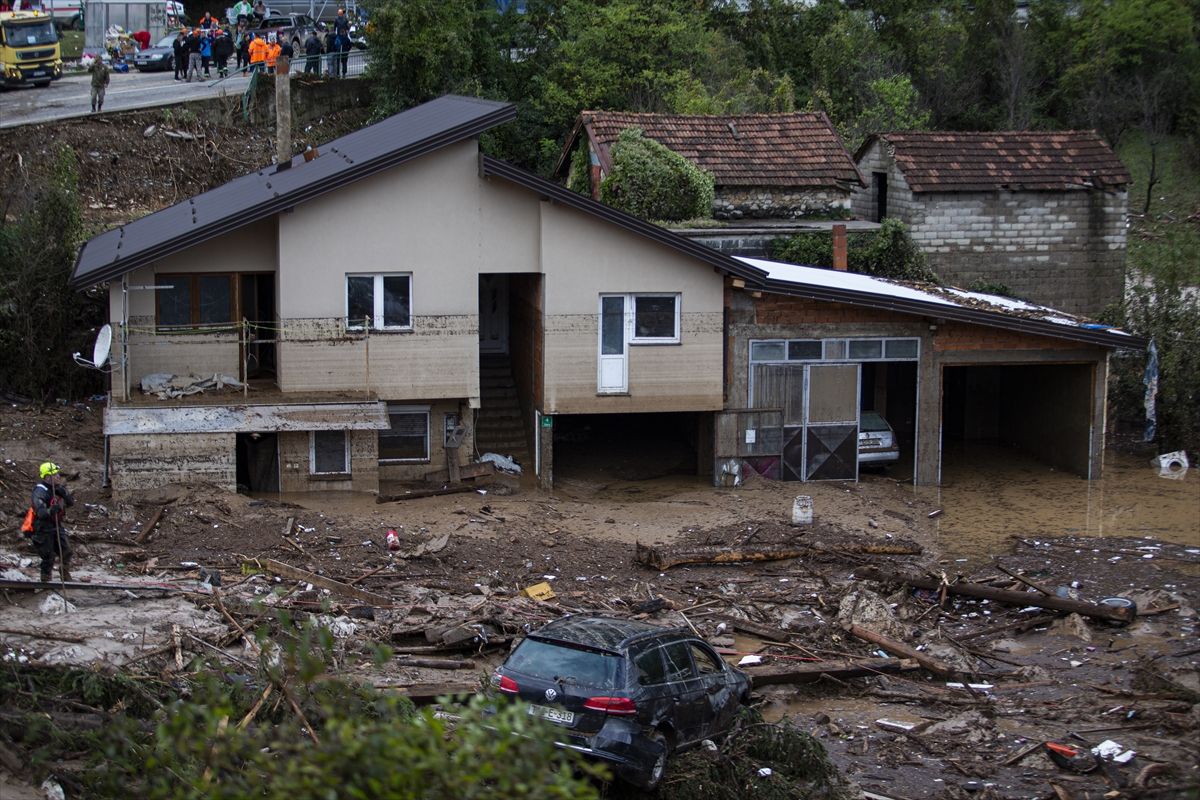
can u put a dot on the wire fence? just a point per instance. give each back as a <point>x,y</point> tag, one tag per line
<point>347,64</point>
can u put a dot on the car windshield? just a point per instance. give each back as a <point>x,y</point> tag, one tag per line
<point>871,421</point>
<point>23,34</point>
<point>166,41</point>
<point>570,665</point>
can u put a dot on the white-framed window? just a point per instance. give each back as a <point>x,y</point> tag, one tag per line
<point>385,299</point>
<point>655,319</point>
<point>329,453</point>
<point>407,438</point>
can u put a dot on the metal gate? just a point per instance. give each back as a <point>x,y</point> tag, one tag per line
<point>820,405</point>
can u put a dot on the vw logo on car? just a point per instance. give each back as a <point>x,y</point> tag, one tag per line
<point>551,695</point>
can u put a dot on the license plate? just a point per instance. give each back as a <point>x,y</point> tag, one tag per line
<point>558,715</point>
<point>37,73</point>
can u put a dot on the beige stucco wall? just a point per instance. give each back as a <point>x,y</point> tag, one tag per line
<point>139,462</point>
<point>295,464</point>
<point>249,249</point>
<point>432,217</point>
<point>584,258</point>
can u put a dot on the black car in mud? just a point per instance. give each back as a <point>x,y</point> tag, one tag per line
<point>624,692</point>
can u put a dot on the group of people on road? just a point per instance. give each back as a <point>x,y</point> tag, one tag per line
<point>202,48</point>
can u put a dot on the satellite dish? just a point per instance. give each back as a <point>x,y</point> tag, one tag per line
<point>103,343</point>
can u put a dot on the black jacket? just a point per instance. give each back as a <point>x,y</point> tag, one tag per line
<point>49,506</point>
<point>179,48</point>
<point>312,46</point>
<point>222,48</point>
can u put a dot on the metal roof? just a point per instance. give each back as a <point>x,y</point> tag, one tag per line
<point>494,167</point>
<point>268,191</point>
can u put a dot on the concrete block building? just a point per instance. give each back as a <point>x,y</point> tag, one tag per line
<point>765,166</point>
<point>1041,212</point>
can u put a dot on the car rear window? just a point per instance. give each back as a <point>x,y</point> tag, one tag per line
<point>556,662</point>
<point>871,421</point>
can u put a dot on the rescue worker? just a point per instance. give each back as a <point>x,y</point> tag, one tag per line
<point>206,51</point>
<point>100,78</point>
<point>207,22</point>
<point>222,49</point>
<point>258,53</point>
<point>51,499</point>
<point>272,53</point>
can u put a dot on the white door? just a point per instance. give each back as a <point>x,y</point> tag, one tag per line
<point>613,372</point>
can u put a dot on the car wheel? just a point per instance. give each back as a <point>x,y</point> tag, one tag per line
<point>658,769</point>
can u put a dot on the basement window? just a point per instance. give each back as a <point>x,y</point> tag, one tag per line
<point>193,301</point>
<point>384,302</point>
<point>329,453</point>
<point>407,438</point>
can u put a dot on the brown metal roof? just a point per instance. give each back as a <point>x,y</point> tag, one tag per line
<point>798,149</point>
<point>948,161</point>
<point>264,193</point>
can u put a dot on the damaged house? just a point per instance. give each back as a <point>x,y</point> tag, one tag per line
<point>1039,212</point>
<point>400,304</point>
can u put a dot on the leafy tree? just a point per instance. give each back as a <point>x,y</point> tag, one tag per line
<point>42,321</point>
<point>652,182</point>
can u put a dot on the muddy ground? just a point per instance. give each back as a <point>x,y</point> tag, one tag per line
<point>1029,677</point>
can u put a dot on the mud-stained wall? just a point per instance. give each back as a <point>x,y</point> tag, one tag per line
<point>582,260</point>
<point>295,464</point>
<point>417,470</point>
<point>249,249</point>
<point>138,462</point>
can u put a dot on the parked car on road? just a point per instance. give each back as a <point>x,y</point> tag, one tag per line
<point>160,56</point>
<point>292,28</point>
<point>876,440</point>
<point>624,692</point>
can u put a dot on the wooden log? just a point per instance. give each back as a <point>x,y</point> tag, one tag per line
<point>1010,573</point>
<point>426,693</point>
<point>775,674</point>
<point>144,533</point>
<point>434,663</point>
<point>662,558</point>
<point>466,472</point>
<point>767,632</point>
<point>337,587</point>
<point>417,493</point>
<point>1093,610</point>
<point>45,635</point>
<point>901,649</point>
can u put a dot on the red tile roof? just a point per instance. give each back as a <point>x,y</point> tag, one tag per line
<point>946,161</point>
<point>744,150</point>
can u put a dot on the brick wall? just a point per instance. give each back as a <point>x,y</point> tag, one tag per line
<point>775,309</point>
<point>1062,249</point>
<point>959,336</point>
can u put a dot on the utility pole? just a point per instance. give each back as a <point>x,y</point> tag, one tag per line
<point>283,112</point>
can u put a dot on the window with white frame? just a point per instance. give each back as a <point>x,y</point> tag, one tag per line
<point>655,319</point>
<point>329,453</point>
<point>384,301</point>
<point>407,438</point>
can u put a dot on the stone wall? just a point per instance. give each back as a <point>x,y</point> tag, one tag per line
<point>758,202</point>
<point>1063,249</point>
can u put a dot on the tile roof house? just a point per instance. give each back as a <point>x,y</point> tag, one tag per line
<point>764,165</point>
<point>481,308</point>
<point>1041,212</point>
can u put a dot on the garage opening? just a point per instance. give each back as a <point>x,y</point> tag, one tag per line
<point>257,462</point>
<point>634,447</point>
<point>1041,410</point>
<point>889,388</point>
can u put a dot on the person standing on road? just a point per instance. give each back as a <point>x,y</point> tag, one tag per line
<point>272,53</point>
<point>51,499</point>
<point>193,48</point>
<point>242,44</point>
<point>206,51</point>
<point>179,52</point>
<point>222,49</point>
<point>100,77</point>
<point>258,53</point>
<point>260,12</point>
<point>312,54</point>
<point>332,45</point>
<point>344,45</point>
<point>341,24</point>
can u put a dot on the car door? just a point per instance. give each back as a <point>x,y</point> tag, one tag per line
<point>687,692</point>
<point>721,700</point>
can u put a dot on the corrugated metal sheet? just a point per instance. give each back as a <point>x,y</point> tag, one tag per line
<point>246,419</point>
<point>261,194</point>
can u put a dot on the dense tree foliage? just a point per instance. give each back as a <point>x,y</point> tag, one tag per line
<point>886,253</point>
<point>652,182</point>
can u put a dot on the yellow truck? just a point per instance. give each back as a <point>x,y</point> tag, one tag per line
<point>29,49</point>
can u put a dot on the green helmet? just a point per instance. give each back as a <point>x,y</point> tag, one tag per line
<point>48,468</point>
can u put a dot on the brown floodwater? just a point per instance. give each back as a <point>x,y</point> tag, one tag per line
<point>992,493</point>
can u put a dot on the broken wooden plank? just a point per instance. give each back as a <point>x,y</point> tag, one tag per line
<point>1093,610</point>
<point>767,632</point>
<point>146,530</point>
<point>661,558</point>
<point>775,674</point>
<point>417,493</point>
<point>901,649</point>
<point>466,472</point>
<point>434,663</point>
<point>45,635</point>
<point>32,586</point>
<point>337,587</point>
<point>1032,585</point>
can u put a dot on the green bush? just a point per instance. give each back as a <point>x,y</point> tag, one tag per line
<point>886,253</point>
<point>654,183</point>
<point>579,179</point>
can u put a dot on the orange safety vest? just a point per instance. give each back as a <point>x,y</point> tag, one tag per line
<point>273,51</point>
<point>258,51</point>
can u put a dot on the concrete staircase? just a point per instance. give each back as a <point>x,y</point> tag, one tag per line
<point>500,425</point>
